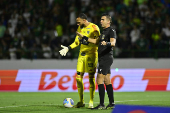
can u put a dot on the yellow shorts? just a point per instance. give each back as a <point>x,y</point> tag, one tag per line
<point>87,63</point>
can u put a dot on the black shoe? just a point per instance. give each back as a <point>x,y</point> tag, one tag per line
<point>110,106</point>
<point>99,107</point>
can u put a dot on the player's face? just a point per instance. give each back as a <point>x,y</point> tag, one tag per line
<point>104,21</point>
<point>80,22</point>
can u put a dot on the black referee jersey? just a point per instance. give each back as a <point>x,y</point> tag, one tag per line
<point>104,50</point>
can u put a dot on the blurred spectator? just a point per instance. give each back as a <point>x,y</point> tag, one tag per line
<point>12,52</point>
<point>166,31</point>
<point>47,53</point>
<point>24,31</point>
<point>142,44</point>
<point>7,40</point>
<point>72,12</point>
<point>156,37</point>
<point>59,30</point>
<point>134,34</point>
<point>72,34</point>
<point>11,30</point>
<point>23,49</point>
<point>30,24</point>
<point>143,6</point>
<point>27,15</point>
<point>1,53</point>
<point>2,30</point>
<point>35,51</point>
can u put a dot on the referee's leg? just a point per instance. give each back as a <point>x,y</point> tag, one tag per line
<point>109,90</point>
<point>101,89</point>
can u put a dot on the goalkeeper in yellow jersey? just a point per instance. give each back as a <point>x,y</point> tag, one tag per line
<point>88,57</point>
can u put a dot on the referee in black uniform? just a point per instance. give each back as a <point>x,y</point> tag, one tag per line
<point>106,42</point>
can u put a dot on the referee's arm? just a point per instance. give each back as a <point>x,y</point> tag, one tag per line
<point>113,37</point>
<point>113,41</point>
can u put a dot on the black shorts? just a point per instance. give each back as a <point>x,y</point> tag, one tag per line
<point>105,63</point>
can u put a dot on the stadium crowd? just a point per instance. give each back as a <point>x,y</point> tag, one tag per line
<point>35,29</point>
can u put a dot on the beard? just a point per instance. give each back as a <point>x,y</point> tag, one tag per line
<point>81,26</point>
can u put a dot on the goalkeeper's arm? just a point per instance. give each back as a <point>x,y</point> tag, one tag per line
<point>65,49</point>
<point>91,40</point>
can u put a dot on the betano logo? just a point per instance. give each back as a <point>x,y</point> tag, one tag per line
<point>47,80</point>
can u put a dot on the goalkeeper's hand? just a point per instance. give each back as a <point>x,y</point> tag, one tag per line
<point>63,51</point>
<point>79,34</point>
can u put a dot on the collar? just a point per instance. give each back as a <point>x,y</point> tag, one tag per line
<point>106,28</point>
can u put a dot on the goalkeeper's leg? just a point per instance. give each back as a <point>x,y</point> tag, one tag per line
<point>92,88</point>
<point>80,87</point>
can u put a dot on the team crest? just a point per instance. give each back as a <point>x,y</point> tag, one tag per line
<point>88,32</point>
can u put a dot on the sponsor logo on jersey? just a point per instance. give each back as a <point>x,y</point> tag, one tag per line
<point>90,64</point>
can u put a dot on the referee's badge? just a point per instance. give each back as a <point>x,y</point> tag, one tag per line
<point>88,32</point>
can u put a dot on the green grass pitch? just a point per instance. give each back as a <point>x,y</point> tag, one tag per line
<point>52,102</point>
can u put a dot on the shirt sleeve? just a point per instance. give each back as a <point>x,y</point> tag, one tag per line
<point>96,31</point>
<point>76,41</point>
<point>96,34</point>
<point>113,33</point>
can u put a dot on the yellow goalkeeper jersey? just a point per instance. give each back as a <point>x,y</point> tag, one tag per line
<point>91,31</point>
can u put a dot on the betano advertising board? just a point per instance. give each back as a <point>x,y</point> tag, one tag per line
<point>64,80</point>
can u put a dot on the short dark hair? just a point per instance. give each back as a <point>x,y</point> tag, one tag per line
<point>107,16</point>
<point>82,16</point>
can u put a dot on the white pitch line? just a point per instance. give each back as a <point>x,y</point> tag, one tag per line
<point>13,106</point>
<point>28,105</point>
<point>116,101</point>
<point>57,104</point>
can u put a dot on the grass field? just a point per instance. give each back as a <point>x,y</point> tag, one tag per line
<point>51,102</point>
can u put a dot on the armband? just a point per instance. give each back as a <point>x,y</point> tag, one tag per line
<point>86,38</point>
<point>108,44</point>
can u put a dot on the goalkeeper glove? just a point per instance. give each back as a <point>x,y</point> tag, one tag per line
<point>83,41</point>
<point>85,38</point>
<point>63,51</point>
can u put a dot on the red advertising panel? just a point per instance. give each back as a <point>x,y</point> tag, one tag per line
<point>7,80</point>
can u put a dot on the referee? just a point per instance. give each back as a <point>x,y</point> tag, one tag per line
<point>106,42</point>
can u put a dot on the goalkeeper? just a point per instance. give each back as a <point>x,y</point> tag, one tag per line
<point>88,57</point>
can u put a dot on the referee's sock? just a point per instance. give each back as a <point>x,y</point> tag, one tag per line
<point>101,93</point>
<point>109,90</point>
